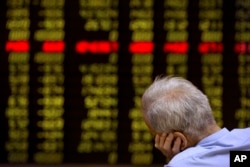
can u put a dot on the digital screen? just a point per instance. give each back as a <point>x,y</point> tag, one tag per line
<point>72,73</point>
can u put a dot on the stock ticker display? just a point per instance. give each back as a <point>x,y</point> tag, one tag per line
<point>72,73</point>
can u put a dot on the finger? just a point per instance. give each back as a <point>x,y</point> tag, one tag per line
<point>157,140</point>
<point>168,142</point>
<point>176,146</point>
<point>162,140</point>
<point>166,148</point>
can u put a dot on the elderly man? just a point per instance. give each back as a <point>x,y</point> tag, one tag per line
<point>180,117</point>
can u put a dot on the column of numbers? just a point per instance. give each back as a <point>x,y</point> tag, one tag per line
<point>50,81</point>
<point>242,49</point>
<point>141,47</point>
<point>210,48</point>
<point>17,111</point>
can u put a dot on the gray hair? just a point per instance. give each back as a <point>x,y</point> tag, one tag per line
<point>175,104</point>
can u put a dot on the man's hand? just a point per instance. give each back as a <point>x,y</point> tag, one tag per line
<point>168,144</point>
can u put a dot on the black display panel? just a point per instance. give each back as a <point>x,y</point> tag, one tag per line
<point>72,73</point>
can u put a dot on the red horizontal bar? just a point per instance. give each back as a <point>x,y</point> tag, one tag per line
<point>96,47</point>
<point>17,46</point>
<point>242,47</point>
<point>141,47</point>
<point>53,46</point>
<point>210,47</point>
<point>176,47</point>
<point>105,47</point>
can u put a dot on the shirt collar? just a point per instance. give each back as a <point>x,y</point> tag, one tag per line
<point>213,137</point>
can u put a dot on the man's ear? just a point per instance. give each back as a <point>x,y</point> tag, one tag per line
<point>183,139</point>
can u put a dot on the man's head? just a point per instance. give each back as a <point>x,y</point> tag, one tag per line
<point>173,104</point>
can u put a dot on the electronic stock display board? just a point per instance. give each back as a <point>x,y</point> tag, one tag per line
<point>72,73</point>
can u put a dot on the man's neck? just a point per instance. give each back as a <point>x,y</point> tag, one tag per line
<point>212,129</point>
